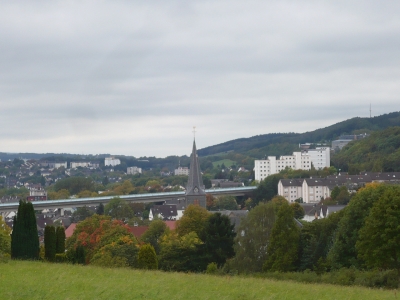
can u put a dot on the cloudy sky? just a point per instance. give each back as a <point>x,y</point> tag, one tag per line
<point>134,77</point>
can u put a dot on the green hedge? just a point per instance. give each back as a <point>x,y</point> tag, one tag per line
<point>373,278</point>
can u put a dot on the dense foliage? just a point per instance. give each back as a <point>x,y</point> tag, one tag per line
<point>380,152</point>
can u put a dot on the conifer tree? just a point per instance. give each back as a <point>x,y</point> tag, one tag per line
<point>24,238</point>
<point>60,239</point>
<point>100,209</point>
<point>50,242</point>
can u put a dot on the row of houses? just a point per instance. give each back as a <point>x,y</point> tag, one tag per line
<point>312,190</point>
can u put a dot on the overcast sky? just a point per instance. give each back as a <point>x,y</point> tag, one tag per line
<point>134,77</point>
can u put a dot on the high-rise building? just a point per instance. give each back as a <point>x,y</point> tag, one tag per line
<point>319,158</point>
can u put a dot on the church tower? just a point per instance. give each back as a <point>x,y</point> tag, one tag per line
<point>195,189</point>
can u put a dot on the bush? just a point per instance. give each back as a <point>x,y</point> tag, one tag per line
<point>212,268</point>
<point>374,278</point>
<point>147,258</point>
<point>4,257</point>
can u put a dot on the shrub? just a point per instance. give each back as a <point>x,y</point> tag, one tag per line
<point>212,268</point>
<point>4,257</point>
<point>147,258</point>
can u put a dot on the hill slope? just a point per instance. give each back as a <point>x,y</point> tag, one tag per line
<point>380,152</point>
<point>284,143</point>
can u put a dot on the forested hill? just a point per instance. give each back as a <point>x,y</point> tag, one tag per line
<point>380,152</point>
<point>285,143</point>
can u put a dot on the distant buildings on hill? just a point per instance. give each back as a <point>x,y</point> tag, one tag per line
<point>182,171</point>
<point>111,161</point>
<point>133,170</point>
<point>345,139</point>
<point>319,158</point>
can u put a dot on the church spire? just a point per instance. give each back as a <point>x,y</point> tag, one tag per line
<point>195,190</point>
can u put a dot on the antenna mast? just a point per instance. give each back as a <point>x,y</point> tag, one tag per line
<point>370,114</point>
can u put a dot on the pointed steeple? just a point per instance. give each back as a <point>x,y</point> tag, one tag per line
<point>195,190</point>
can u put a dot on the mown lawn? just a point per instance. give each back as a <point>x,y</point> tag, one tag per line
<point>37,280</point>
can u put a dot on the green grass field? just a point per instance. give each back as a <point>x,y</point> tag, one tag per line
<point>37,280</point>
<point>226,162</point>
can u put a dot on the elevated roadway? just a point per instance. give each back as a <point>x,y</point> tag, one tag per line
<point>140,198</point>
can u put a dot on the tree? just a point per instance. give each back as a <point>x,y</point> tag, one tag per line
<point>94,233</point>
<point>343,252</point>
<point>100,209</point>
<point>50,242</point>
<point>118,209</point>
<point>24,238</point>
<point>181,253</point>
<point>252,239</point>
<point>60,239</point>
<point>316,240</point>
<point>282,250</point>
<point>219,239</point>
<point>298,210</point>
<point>81,214</point>
<point>147,258</point>
<point>226,202</point>
<point>152,235</point>
<point>267,188</point>
<point>74,184</point>
<point>5,239</point>
<point>335,192</point>
<point>194,219</point>
<point>379,239</point>
<point>122,252</point>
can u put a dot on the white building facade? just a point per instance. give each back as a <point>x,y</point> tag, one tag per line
<point>111,161</point>
<point>182,171</point>
<point>133,170</point>
<point>319,158</point>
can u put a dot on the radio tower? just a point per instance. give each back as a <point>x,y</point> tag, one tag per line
<point>370,114</point>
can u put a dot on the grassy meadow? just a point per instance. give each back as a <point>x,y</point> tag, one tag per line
<point>38,280</point>
<point>227,162</point>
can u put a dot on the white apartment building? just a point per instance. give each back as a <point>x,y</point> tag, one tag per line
<point>133,170</point>
<point>182,171</point>
<point>319,157</point>
<point>111,161</point>
<point>309,189</point>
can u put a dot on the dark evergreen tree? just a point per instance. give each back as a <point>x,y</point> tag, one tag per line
<point>25,241</point>
<point>100,209</point>
<point>219,239</point>
<point>50,241</point>
<point>60,239</point>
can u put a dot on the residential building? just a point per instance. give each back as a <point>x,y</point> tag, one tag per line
<point>304,160</point>
<point>312,190</point>
<point>111,161</point>
<point>37,195</point>
<point>164,212</point>
<point>182,171</point>
<point>133,170</point>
